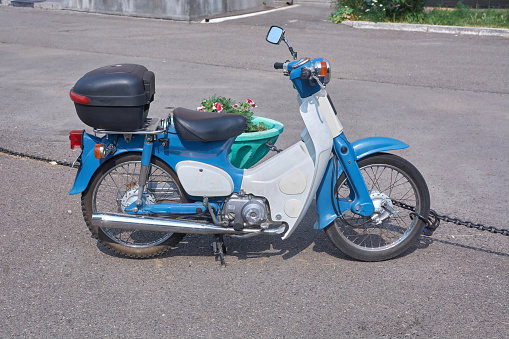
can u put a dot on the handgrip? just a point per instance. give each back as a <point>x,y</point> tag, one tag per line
<point>278,65</point>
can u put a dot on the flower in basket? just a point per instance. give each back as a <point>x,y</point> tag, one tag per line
<point>251,102</point>
<point>226,105</point>
<point>218,107</point>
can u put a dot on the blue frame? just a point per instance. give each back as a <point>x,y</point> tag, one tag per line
<point>213,153</point>
<point>216,154</point>
<point>361,201</point>
<point>327,206</point>
<point>183,208</point>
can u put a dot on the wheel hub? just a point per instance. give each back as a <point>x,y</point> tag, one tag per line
<point>384,208</point>
<point>131,195</point>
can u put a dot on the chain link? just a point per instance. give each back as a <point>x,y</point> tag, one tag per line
<point>36,157</point>
<point>432,222</point>
<point>434,218</point>
<point>471,224</point>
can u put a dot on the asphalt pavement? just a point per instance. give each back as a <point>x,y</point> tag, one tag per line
<point>445,95</point>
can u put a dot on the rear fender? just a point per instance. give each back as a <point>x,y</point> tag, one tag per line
<point>90,164</point>
<point>325,195</point>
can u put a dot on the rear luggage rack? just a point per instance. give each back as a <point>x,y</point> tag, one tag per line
<point>150,126</point>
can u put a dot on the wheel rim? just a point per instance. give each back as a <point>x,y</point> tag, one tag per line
<point>380,232</point>
<point>118,188</point>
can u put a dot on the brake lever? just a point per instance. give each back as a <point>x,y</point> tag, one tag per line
<point>314,77</point>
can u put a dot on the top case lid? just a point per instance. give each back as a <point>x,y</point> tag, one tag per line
<point>117,85</point>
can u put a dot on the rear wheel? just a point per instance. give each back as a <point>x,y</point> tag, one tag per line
<point>391,230</point>
<point>114,187</point>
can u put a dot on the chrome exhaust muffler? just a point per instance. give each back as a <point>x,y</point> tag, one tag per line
<point>129,222</point>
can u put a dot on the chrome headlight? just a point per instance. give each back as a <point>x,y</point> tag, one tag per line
<point>322,71</point>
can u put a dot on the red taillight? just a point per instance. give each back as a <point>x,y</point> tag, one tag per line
<point>76,138</point>
<point>79,99</point>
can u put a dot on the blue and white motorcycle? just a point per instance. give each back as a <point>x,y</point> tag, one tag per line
<point>145,183</point>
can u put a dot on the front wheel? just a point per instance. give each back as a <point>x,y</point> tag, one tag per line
<point>114,187</point>
<point>391,229</point>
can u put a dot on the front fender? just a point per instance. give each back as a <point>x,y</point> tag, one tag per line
<point>324,195</point>
<point>372,145</point>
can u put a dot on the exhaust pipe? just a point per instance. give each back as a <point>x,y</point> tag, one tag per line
<point>128,222</point>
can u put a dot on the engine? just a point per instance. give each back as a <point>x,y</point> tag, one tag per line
<point>245,210</point>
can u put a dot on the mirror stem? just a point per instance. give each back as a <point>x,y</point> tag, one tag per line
<point>294,54</point>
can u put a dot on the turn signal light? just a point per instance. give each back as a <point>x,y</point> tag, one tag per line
<point>76,138</point>
<point>100,151</point>
<point>323,68</point>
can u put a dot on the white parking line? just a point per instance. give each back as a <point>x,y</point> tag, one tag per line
<point>213,21</point>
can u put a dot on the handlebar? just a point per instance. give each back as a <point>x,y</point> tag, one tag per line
<point>278,65</point>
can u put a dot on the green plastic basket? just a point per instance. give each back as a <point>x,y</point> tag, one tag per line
<point>249,148</point>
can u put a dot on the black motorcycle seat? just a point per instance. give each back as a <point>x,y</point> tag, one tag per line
<point>207,126</point>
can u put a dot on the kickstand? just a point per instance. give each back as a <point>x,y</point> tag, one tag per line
<point>219,248</point>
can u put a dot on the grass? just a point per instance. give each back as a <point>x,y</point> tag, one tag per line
<point>461,15</point>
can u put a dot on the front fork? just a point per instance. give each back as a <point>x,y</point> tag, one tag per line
<point>362,203</point>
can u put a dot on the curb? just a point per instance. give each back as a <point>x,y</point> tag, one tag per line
<point>457,30</point>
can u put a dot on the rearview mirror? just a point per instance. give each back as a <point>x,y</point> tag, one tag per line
<point>275,34</point>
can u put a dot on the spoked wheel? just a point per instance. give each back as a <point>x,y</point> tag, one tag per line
<point>114,187</point>
<point>391,230</point>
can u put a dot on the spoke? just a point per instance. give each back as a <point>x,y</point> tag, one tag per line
<point>372,179</point>
<point>364,233</point>
<point>113,179</point>
<point>395,184</point>
<point>363,240</point>
<point>391,184</point>
<point>129,174</point>
<point>409,192</point>
<point>378,174</point>
<point>390,181</point>
<point>107,197</point>
<point>381,237</point>
<point>106,186</point>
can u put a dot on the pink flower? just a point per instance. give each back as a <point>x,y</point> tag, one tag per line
<point>200,108</point>
<point>218,107</point>
<point>251,102</point>
<point>235,106</point>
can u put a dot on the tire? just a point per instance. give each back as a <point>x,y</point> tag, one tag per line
<point>114,186</point>
<point>382,236</point>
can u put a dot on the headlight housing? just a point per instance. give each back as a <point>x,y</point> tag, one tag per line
<point>322,71</point>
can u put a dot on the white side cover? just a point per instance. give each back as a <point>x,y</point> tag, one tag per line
<point>334,124</point>
<point>290,179</point>
<point>204,180</point>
